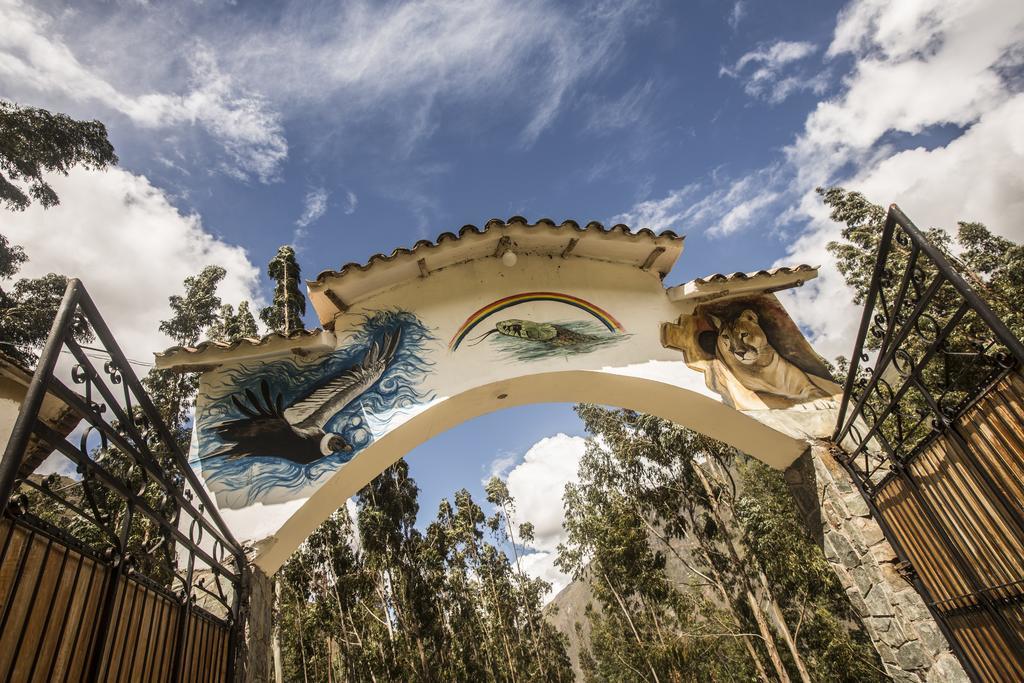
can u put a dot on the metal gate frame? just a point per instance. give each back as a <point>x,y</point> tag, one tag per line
<point>135,481</point>
<point>939,350</point>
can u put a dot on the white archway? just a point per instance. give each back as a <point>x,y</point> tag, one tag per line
<point>671,402</point>
<point>417,342</point>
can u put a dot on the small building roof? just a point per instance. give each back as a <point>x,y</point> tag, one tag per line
<point>334,291</point>
<point>209,354</point>
<point>720,285</point>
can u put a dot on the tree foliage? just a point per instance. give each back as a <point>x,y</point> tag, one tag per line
<point>993,266</point>
<point>232,325</point>
<point>28,307</point>
<point>35,141</point>
<point>284,315</point>
<point>375,599</point>
<point>192,314</point>
<point>655,502</point>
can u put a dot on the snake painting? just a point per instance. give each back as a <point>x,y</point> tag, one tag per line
<point>528,340</point>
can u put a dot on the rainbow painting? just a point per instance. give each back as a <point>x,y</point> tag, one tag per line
<point>601,315</point>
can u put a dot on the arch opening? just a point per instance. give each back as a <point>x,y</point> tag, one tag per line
<point>683,406</point>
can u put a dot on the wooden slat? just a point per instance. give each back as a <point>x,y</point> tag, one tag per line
<point>972,479</point>
<point>920,541</point>
<point>53,596</point>
<point>52,604</point>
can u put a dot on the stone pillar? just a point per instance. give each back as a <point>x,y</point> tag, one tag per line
<point>253,645</point>
<point>898,622</point>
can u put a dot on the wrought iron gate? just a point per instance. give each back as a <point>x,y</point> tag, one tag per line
<point>933,436</point>
<point>122,570</point>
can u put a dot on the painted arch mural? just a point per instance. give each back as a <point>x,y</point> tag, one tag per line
<point>414,343</point>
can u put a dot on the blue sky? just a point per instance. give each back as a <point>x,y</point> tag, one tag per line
<point>356,127</point>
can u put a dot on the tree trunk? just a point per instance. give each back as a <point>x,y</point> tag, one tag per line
<point>629,620</point>
<point>276,643</point>
<point>716,581</point>
<point>501,619</point>
<point>755,606</point>
<point>519,568</point>
<point>776,613</point>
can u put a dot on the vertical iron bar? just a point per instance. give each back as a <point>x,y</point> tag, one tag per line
<point>109,597</point>
<point>124,623</point>
<point>81,621</point>
<point>16,580</point>
<point>904,332</point>
<point>22,431</point>
<point>901,295</point>
<point>49,615</point>
<point>148,656</point>
<point>28,610</point>
<point>983,310</point>
<point>64,619</point>
<point>180,645</point>
<point>869,305</point>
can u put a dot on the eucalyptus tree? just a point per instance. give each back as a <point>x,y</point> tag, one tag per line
<point>232,325</point>
<point>651,493</point>
<point>380,601</point>
<point>284,315</point>
<point>992,265</point>
<point>192,314</point>
<point>28,307</point>
<point>637,482</point>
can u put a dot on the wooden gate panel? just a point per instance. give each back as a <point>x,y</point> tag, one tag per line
<point>968,548</point>
<point>206,648</point>
<point>51,600</point>
<point>932,561</point>
<point>50,604</point>
<point>975,519</point>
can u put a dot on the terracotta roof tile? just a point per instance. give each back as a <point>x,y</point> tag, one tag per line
<point>426,245</point>
<point>247,341</point>
<point>734,277</point>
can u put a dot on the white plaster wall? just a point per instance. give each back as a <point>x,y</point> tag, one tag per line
<point>638,373</point>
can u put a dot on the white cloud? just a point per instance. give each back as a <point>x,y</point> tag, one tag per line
<point>537,485</point>
<point>400,59</point>
<point>354,64</point>
<point>541,565</point>
<point>130,247</point>
<point>351,202</point>
<point>764,79</point>
<point>739,10</point>
<point>773,56</point>
<point>314,206</point>
<point>666,213</point>
<point>916,65</point>
<point>625,112</point>
<point>720,207</point>
<point>35,60</point>
<point>501,464</point>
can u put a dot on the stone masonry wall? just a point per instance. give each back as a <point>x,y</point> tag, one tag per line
<point>906,636</point>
